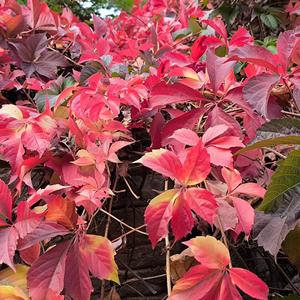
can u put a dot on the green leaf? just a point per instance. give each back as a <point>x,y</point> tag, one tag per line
<point>53,92</point>
<point>180,33</point>
<point>291,246</point>
<point>291,297</point>
<point>269,20</point>
<point>90,69</point>
<point>194,25</point>
<point>285,178</point>
<point>276,132</point>
<point>124,4</point>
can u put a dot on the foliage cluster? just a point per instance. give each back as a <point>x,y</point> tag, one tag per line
<point>212,104</point>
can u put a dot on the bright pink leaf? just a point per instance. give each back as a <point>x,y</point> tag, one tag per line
<point>249,283</point>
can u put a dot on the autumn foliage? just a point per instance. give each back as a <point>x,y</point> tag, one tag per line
<point>73,96</point>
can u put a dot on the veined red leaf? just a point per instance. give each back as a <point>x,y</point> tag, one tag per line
<point>257,92</point>
<point>162,161</point>
<point>218,69</point>
<point>182,220</point>
<point>6,201</point>
<point>249,283</point>
<point>8,242</point>
<point>196,166</point>
<point>43,231</point>
<point>186,120</point>
<point>203,203</point>
<point>163,94</point>
<point>31,254</point>
<point>27,220</point>
<point>197,283</point>
<point>77,281</point>
<point>256,55</point>
<point>46,275</point>
<point>99,256</point>
<point>210,252</point>
<point>158,215</point>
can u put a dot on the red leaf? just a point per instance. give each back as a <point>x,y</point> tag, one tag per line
<point>162,161</point>
<point>198,283</point>
<point>158,215</point>
<point>26,221</point>
<point>249,283</point>
<point>163,94</point>
<point>6,201</point>
<point>8,242</point>
<point>218,25</point>
<point>77,281</point>
<point>46,275</point>
<point>218,69</point>
<point>256,55</point>
<point>182,220</point>
<point>187,120</point>
<point>31,254</point>
<point>43,231</point>
<point>99,256</point>
<point>210,252</point>
<point>203,203</point>
<point>257,92</point>
<point>196,166</point>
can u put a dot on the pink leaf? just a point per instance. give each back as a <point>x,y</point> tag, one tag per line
<point>8,242</point>
<point>6,201</point>
<point>249,283</point>
<point>245,214</point>
<point>43,231</point>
